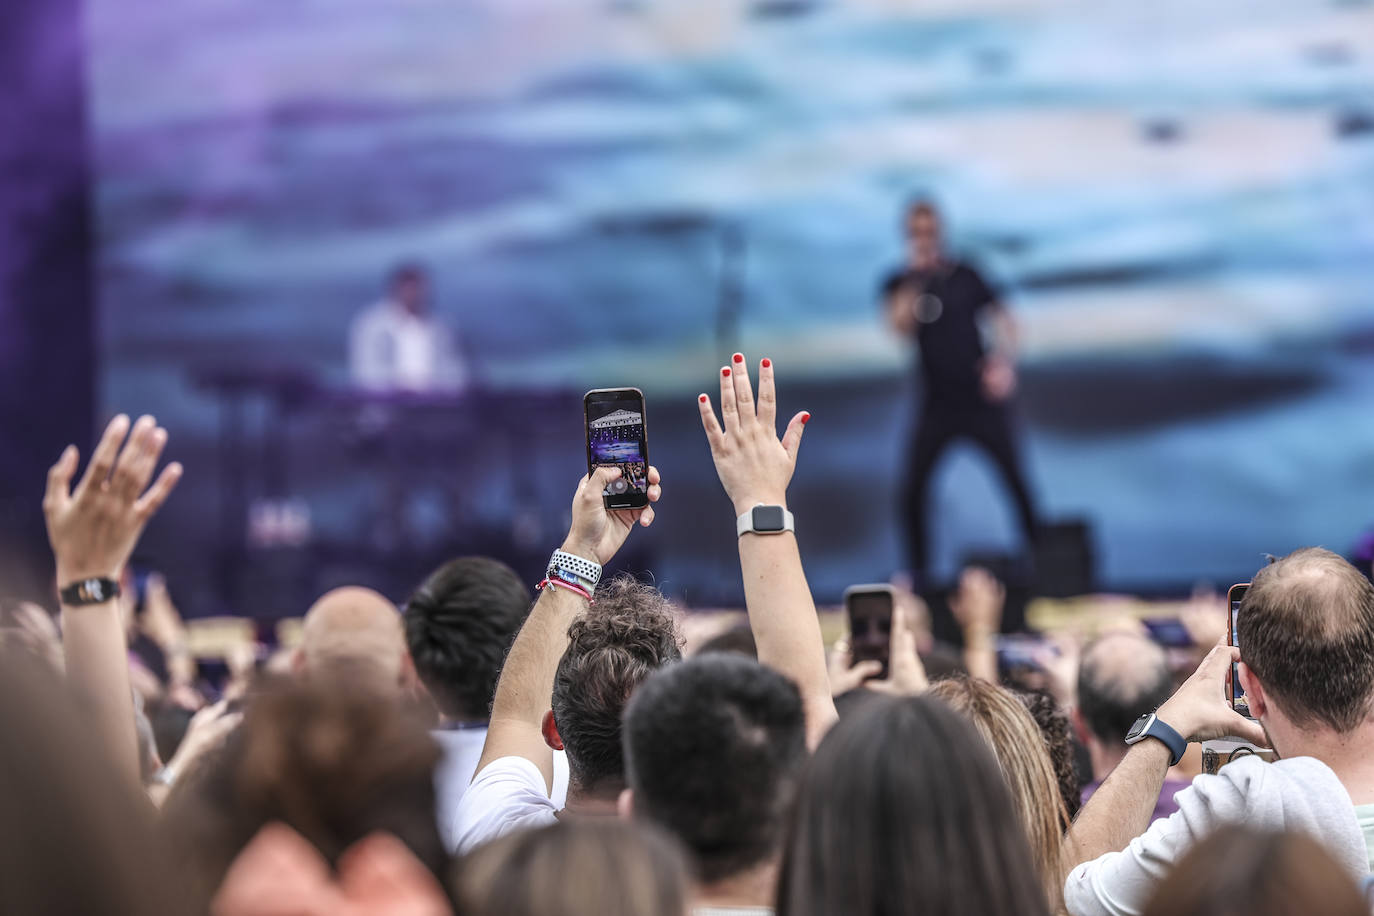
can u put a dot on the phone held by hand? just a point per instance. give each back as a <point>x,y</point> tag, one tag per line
<point>1235,695</point>
<point>617,437</point>
<point>869,608</point>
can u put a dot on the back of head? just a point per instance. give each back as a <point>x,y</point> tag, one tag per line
<point>74,838</point>
<point>1239,871</point>
<point>459,625</point>
<point>903,810</point>
<point>1015,740</point>
<point>1122,676</point>
<point>586,867</point>
<point>739,640</point>
<point>713,751</point>
<point>627,635</point>
<point>1306,629</point>
<point>334,763</point>
<point>353,635</point>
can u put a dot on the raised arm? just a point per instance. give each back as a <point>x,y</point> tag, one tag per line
<point>977,608</point>
<point>755,468</point>
<point>1120,810</point>
<point>93,530</point>
<point>525,689</point>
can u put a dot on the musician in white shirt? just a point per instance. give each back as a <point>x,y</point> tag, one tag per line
<point>397,345</point>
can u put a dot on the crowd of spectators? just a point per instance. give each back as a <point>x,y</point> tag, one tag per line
<point>492,747</point>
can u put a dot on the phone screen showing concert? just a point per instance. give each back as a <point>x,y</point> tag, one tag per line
<point>615,436</point>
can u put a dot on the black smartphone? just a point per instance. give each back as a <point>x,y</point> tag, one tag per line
<point>616,435</point>
<point>1235,695</point>
<point>869,608</point>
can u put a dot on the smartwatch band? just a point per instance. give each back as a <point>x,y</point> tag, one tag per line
<point>89,591</point>
<point>564,565</point>
<point>764,520</point>
<point>1152,726</point>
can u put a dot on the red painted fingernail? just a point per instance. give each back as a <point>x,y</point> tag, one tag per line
<point>725,371</point>
<point>702,399</point>
<point>739,357</point>
<point>767,362</point>
<point>806,418</point>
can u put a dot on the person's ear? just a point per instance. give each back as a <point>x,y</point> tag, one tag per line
<point>298,663</point>
<point>625,804</point>
<point>550,730</point>
<point>1080,728</point>
<point>1254,691</point>
<point>409,680</point>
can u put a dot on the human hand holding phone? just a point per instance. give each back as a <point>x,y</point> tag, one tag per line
<point>1199,709</point>
<point>596,532</point>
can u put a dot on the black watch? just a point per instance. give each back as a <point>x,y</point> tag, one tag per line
<point>89,591</point>
<point>1152,726</point>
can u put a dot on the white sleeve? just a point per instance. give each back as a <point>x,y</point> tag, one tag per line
<point>369,351</point>
<point>1121,883</point>
<point>508,795</point>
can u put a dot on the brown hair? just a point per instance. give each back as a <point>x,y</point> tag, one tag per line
<point>627,635</point>
<point>1306,628</point>
<point>586,867</point>
<point>332,763</point>
<point>1017,744</point>
<point>1240,871</point>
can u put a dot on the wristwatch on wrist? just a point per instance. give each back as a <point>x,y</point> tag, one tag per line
<point>764,520</point>
<point>89,591</point>
<point>1152,726</point>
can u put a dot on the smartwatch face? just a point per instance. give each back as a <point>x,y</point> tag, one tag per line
<point>1138,728</point>
<point>768,518</point>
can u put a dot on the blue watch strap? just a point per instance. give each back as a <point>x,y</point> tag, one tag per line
<point>1176,743</point>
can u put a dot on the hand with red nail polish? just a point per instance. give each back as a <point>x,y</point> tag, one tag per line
<point>755,468</point>
<point>754,465</point>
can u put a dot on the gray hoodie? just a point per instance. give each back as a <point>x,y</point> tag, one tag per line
<point>1297,794</point>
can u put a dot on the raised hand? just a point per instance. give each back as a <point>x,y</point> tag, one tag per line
<point>93,529</point>
<point>753,464</point>
<point>906,675</point>
<point>597,532</point>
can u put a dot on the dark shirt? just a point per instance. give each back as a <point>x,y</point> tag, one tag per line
<point>950,300</point>
<point>1164,807</point>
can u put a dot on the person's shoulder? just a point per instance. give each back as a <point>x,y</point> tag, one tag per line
<point>377,313</point>
<point>893,279</point>
<point>507,794</point>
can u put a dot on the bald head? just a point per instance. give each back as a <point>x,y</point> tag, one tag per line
<point>1306,630</point>
<point>1121,677</point>
<point>353,632</point>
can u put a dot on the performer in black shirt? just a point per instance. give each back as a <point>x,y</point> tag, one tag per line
<point>945,306</point>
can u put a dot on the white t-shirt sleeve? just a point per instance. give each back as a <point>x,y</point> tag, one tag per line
<point>508,795</point>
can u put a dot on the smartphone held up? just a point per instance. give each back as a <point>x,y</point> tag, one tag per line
<point>1235,694</point>
<point>869,608</point>
<point>617,437</point>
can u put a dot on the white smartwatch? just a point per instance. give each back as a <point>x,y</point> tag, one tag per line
<point>764,520</point>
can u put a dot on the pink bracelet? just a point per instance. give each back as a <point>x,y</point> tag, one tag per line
<point>564,583</point>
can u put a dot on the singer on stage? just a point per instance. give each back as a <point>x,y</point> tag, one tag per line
<point>966,340</point>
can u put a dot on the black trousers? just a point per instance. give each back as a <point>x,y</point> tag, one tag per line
<point>940,423</point>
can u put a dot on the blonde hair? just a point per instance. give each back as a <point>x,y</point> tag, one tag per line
<point>1020,750</point>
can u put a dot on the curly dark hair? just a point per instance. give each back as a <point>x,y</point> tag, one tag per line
<point>628,634</point>
<point>1058,733</point>
<point>459,626</point>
